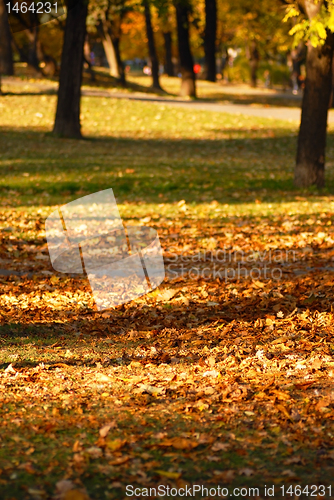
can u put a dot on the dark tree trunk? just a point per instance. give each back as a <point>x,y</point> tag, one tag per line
<point>35,53</point>
<point>253,63</point>
<point>6,53</point>
<point>188,86</point>
<point>119,62</point>
<point>104,30</point>
<point>169,66</point>
<point>67,123</point>
<point>151,46</point>
<point>111,48</point>
<point>87,59</point>
<point>310,163</point>
<point>210,35</point>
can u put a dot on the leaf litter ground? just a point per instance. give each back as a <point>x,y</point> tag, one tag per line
<point>222,376</point>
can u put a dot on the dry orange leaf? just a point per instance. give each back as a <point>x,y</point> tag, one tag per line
<point>75,495</point>
<point>115,444</point>
<point>170,475</point>
<point>106,428</point>
<point>284,410</point>
<point>179,443</point>
<point>120,460</point>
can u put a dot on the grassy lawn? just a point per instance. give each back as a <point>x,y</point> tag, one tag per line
<point>213,380</point>
<point>27,81</point>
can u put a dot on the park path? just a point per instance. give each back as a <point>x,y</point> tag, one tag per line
<point>259,110</point>
<point>273,112</point>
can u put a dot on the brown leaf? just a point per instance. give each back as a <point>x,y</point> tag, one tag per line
<point>304,385</point>
<point>220,447</point>
<point>120,460</point>
<point>246,471</point>
<point>101,377</point>
<point>75,495</point>
<point>166,295</point>
<point>106,428</point>
<point>170,475</point>
<point>284,410</point>
<point>293,460</point>
<point>281,395</point>
<point>280,340</point>
<point>179,443</point>
<point>115,444</point>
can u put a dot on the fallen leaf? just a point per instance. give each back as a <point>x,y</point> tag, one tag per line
<point>75,495</point>
<point>106,428</point>
<point>246,472</point>
<point>280,340</point>
<point>101,377</point>
<point>281,395</point>
<point>179,443</point>
<point>220,447</point>
<point>10,369</point>
<point>166,295</point>
<point>120,460</point>
<point>284,410</point>
<point>94,452</point>
<point>115,444</point>
<point>151,389</point>
<point>293,460</point>
<point>170,475</point>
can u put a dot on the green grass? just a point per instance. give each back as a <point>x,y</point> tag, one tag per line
<point>228,172</point>
<point>147,153</point>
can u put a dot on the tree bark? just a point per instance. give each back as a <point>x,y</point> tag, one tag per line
<point>169,66</point>
<point>310,162</point>
<point>34,54</point>
<point>188,85</point>
<point>253,63</point>
<point>210,35</point>
<point>151,46</point>
<point>111,48</point>
<point>119,62</point>
<point>67,122</point>
<point>6,53</point>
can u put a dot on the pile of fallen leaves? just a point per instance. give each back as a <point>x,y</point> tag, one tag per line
<point>208,380</point>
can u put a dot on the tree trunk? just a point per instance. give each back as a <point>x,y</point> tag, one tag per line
<point>253,72</point>
<point>87,59</point>
<point>35,53</point>
<point>169,66</point>
<point>6,53</point>
<point>210,40</point>
<point>310,163</point>
<point>188,86</point>
<point>67,123</point>
<point>105,32</point>
<point>112,52</point>
<point>253,63</point>
<point>151,46</point>
<point>119,62</point>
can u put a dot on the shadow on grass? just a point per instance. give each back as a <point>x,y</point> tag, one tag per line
<point>228,168</point>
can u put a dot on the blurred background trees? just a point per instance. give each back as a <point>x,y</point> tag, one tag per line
<point>272,43</point>
<point>6,53</point>
<point>237,41</point>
